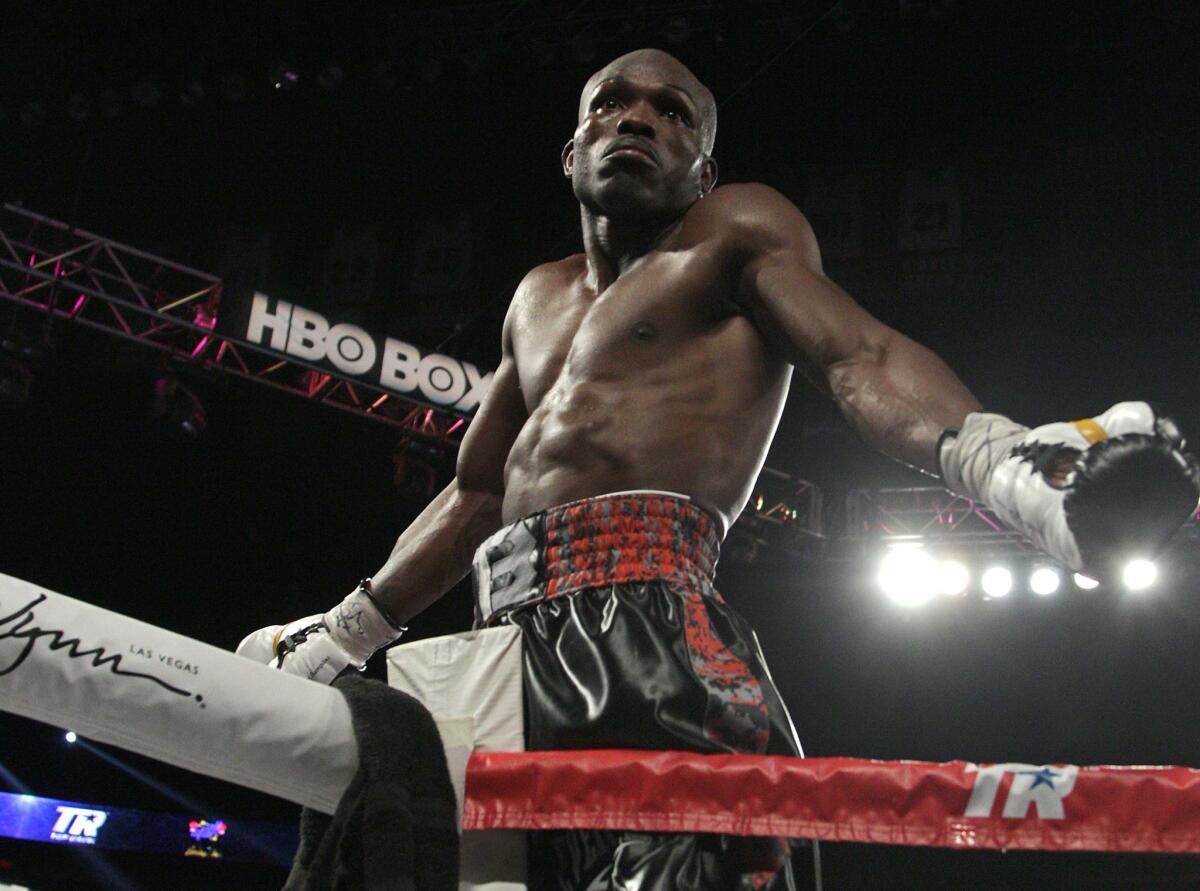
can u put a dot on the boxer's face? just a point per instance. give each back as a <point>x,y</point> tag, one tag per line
<point>641,148</point>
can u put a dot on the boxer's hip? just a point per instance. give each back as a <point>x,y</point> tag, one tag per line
<point>626,643</point>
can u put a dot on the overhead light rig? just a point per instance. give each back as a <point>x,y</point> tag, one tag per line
<point>785,513</point>
<point>69,273</point>
<point>924,513</point>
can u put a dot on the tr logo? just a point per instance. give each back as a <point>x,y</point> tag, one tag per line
<point>1044,787</point>
<point>78,822</point>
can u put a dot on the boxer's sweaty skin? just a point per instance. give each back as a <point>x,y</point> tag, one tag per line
<point>660,357</point>
<point>657,381</point>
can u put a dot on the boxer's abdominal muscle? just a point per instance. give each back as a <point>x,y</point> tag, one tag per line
<point>657,383</point>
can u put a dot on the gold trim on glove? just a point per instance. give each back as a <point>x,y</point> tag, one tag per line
<point>1090,430</point>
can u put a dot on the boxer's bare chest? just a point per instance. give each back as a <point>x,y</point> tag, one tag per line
<point>568,333</point>
<point>659,380</point>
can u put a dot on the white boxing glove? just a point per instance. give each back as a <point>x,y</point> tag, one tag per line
<point>323,646</point>
<point>1090,493</point>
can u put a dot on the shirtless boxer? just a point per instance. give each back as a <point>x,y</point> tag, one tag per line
<point>655,365</point>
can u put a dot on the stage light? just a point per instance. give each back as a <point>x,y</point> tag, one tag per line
<point>1139,575</point>
<point>908,576</point>
<point>14,782</point>
<point>1084,583</point>
<point>163,788</point>
<point>953,578</point>
<point>284,77</point>
<point>70,736</point>
<point>996,581</point>
<point>1045,580</point>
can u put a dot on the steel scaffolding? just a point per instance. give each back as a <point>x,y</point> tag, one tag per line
<point>925,513</point>
<point>49,266</point>
<point>69,273</point>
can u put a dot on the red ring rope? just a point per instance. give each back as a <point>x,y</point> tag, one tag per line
<point>955,804</point>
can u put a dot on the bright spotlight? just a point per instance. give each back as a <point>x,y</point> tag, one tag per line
<point>71,737</point>
<point>1045,580</point>
<point>1084,583</point>
<point>996,581</point>
<point>1139,575</point>
<point>908,576</point>
<point>953,578</point>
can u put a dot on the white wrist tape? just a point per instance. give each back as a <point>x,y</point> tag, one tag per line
<point>984,461</point>
<point>359,627</point>
<point>970,455</point>
<point>1130,484</point>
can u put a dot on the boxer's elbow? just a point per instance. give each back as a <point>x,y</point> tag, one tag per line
<point>857,369</point>
<point>481,501</point>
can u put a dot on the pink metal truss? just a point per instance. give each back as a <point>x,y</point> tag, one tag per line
<point>926,513</point>
<point>49,266</point>
<point>94,281</point>
<point>785,512</point>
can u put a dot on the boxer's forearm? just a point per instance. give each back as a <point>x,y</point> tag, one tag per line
<point>899,396</point>
<point>435,551</point>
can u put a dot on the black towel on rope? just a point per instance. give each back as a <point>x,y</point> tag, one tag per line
<point>395,828</point>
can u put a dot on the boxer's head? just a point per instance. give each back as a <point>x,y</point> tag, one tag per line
<point>641,149</point>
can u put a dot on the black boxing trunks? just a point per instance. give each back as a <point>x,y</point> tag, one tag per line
<point>627,645</point>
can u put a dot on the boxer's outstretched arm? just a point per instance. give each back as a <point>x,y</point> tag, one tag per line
<point>431,555</point>
<point>898,395</point>
<point>435,551</point>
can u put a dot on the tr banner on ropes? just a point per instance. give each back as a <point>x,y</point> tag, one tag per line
<point>956,804</point>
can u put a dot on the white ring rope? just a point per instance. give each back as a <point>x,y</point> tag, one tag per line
<point>151,691</point>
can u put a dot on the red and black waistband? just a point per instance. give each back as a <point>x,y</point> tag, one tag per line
<point>610,539</point>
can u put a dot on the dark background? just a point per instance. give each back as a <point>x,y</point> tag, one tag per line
<point>1011,184</point>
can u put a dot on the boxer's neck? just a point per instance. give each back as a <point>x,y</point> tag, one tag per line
<point>613,247</point>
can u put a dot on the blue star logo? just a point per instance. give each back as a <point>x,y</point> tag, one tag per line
<point>1042,776</point>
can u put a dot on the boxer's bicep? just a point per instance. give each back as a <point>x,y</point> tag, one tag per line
<point>805,317</point>
<point>896,393</point>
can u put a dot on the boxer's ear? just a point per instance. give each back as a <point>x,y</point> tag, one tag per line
<point>708,176</point>
<point>568,157</point>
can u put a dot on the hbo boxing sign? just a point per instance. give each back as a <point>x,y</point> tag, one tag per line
<point>394,364</point>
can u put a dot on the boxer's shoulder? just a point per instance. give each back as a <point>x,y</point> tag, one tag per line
<point>548,279</point>
<point>546,283</point>
<point>541,295</point>
<point>752,218</point>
